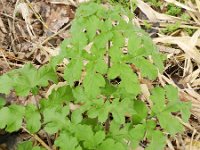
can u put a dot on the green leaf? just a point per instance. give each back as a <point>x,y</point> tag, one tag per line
<point>128,77</point>
<point>126,107</point>
<point>79,40</point>
<point>24,145</point>
<point>6,84</point>
<point>174,127</point>
<point>105,26</point>
<point>79,94</point>
<point>76,116</point>
<point>98,65</point>
<point>26,80</point>
<point>16,117</point>
<point>158,141</point>
<point>137,134</point>
<point>4,119</point>
<point>2,101</point>
<point>118,39</point>
<point>92,26</point>
<point>95,140</point>
<point>171,93</point>
<point>114,71</point>
<point>129,80</point>
<point>109,89</point>
<point>44,74</point>
<point>135,45</point>
<point>38,148</point>
<point>87,9</point>
<point>99,109</point>
<point>158,60</point>
<point>101,40</point>
<point>33,118</point>
<point>158,98</point>
<point>55,119</point>
<point>101,66</point>
<point>99,137</point>
<point>118,132</point>
<point>27,145</point>
<point>163,108</point>
<point>61,95</point>
<point>73,71</point>
<point>147,69</point>
<point>54,61</point>
<point>83,132</point>
<point>115,54</point>
<point>92,84</point>
<point>65,141</point>
<point>109,144</point>
<point>185,110</point>
<point>141,111</point>
<point>11,117</point>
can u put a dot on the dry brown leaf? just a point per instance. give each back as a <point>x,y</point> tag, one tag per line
<point>55,87</point>
<point>192,145</point>
<point>2,38</point>
<point>2,26</point>
<point>188,66</point>
<point>191,78</point>
<point>147,10</point>
<point>193,93</point>
<point>51,51</point>
<point>198,4</point>
<point>169,50</point>
<point>195,15</point>
<point>188,46</point>
<point>152,15</point>
<point>146,93</point>
<point>196,83</point>
<point>65,2</point>
<point>195,38</point>
<point>82,1</point>
<point>58,18</point>
<point>25,12</point>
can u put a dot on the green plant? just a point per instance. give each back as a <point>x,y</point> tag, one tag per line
<point>147,25</point>
<point>171,28</point>
<point>126,4</point>
<point>155,3</point>
<point>185,17</point>
<point>190,32</point>
<point>173,10</point>
<point>101,84</point>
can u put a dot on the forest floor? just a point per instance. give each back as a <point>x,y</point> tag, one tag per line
<point>32,30</point>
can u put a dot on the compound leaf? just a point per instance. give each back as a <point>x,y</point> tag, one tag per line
<point>73,71</point>
<point>33,118</point>
<point>92,84</point>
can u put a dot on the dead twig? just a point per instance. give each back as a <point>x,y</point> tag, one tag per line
<point>37,138</point>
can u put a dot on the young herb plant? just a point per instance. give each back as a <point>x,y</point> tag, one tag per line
<point>107,58</point>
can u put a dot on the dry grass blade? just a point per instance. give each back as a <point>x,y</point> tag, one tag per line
<point>24,10</point>
<point>2,26</point>
<point>147,10</point>
<point>65,2</point>
<point>181,5</point>
<point>152,15</point>
<point>185,43</point>
<point>198,4</point>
